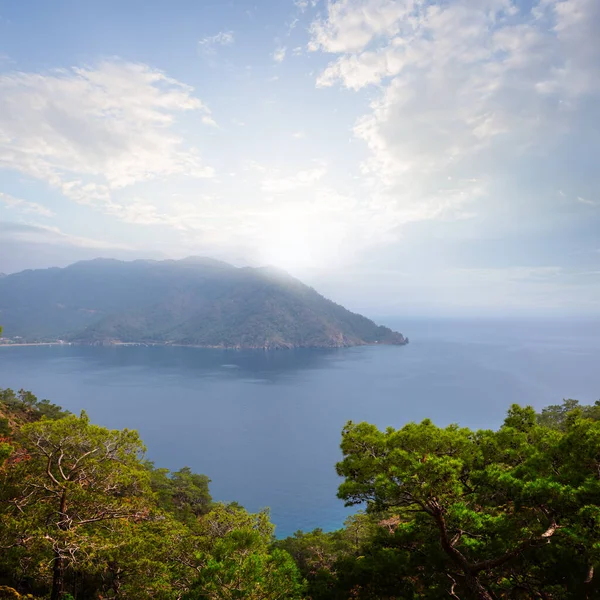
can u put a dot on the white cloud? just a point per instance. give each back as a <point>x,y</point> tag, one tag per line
<point>587,201</point>
<point>92,194</point>
<point>302,5</point>
<point>90,131</point>
<point>208,120</point>
<point>280,185</point>
<point>24,205</point>
<point>351,24</point>
<point>298,135</point>
<point>292,26</point>
<point>223,38</point>
<point>139,212</point>
<point>279,54</point>
<point>252,165</point>
<point>34,233</point>
<point>297,222</point>
<point>464,87</point>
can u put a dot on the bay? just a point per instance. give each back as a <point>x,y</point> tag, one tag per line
<point>265,426</point>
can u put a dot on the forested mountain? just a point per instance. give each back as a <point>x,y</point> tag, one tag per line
<point>195,301</point>
<point>512,514</point>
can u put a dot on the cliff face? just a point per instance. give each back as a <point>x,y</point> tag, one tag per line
<point>190,302</point>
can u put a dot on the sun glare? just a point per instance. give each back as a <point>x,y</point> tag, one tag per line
<point>298,246</point>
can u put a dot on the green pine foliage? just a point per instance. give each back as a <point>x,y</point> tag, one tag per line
<point>445,512</point>
<point>456,513</point>
<point>84,516</point>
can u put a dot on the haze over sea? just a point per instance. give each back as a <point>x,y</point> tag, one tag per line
<point>265,426</point>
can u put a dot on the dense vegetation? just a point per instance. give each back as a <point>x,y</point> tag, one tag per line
<point>450,513</point>
<point>455,513</point>
<point>192,302</point>
<point>83,516</point>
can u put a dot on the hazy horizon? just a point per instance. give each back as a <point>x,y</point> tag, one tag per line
<point>395,317</point>
<point>418,157</point>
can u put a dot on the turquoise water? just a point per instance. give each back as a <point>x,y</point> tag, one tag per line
<point>265,426</point>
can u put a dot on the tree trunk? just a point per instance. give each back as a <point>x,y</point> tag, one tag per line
<point>476,588</point>
<point>58,572</point>
<point>116,583</point>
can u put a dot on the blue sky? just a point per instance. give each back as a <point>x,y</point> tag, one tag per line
<point>403,156</point>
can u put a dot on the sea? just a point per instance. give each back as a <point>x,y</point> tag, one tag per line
<point>265,425</point>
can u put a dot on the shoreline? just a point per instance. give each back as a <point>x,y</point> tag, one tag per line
<point>166,345</point>
<point>20,345</point>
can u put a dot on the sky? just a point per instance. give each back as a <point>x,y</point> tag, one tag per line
<point>416,157</point>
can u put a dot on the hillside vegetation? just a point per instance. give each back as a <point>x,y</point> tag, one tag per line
<point>450,513</point>
<point>194,301</point>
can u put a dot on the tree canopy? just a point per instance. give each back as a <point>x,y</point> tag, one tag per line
<point>513,513</point>
<point>446,512</point>
<point>83,515</point>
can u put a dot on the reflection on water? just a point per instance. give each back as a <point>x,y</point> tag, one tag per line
<point>268,366</point>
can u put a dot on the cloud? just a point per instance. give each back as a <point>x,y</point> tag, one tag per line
<point>254,166</point>
<point>208,120</point>
<point>280,185</point>
<point>464,88</point>
<point>292,25</point>
<point>298,135</point>
<point>351,24</point>
<point>34,246</point>
<point>586,201</point>
<point>297,222</point>
<point>24,205</point>
<point>302,5</point>
<point>223,38</point>
<point>45,234</point>
<point>93,130</point>
<point>279,54</point>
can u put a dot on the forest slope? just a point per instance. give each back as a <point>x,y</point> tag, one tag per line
<point>194,301</point>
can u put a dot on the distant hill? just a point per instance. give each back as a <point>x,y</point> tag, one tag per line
<point>194,301</point>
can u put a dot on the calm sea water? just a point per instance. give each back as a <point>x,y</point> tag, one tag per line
<point>265,426</point>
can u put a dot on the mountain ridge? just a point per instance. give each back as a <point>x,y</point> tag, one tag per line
<point>195,301</point>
